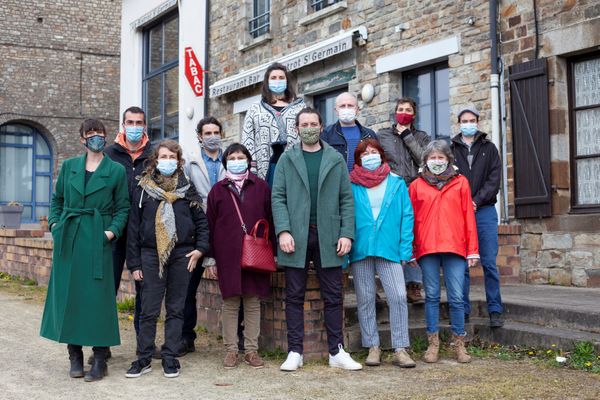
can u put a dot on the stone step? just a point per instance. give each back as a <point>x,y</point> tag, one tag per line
<point>532,335</point>
<point>513,333</point>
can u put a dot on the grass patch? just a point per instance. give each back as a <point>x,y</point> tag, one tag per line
<point>126,306</point>
<point>277,354</point>
<point>418,344</point>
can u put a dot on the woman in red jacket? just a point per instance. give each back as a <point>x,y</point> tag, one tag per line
<point>445,237</point>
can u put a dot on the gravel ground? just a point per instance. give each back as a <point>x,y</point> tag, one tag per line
<point>35,368</point>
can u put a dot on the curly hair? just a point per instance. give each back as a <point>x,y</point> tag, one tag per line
<point>169,144</point>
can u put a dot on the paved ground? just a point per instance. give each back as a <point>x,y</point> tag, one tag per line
<point>35,368</point>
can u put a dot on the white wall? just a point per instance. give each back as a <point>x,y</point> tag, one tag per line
<point>191,33</point>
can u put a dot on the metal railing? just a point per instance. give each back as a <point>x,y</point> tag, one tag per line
<point>260,24</point>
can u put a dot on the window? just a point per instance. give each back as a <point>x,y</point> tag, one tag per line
<point>261,21</point>
<point>325,105</point>
<point>585,132</point>
<point>318,5</point>
<point>25,170</point>
<point>429,87</point>
<point>161,78</point>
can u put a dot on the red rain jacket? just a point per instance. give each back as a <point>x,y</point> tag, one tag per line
<point>444,219</point>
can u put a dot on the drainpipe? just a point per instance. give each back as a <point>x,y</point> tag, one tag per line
<point>206,57</point>
<point>495,80</point>
<point>504,188</point>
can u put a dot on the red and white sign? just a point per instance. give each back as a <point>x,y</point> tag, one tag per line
<point>193,72</point>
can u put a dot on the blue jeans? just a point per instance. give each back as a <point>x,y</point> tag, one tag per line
<point>454,267</point>
<point>487,232</point>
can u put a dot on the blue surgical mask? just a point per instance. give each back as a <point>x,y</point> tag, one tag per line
<point>468,129</point>
<point>277,86</point>
<point>371,161</point>
<point>237,166</point>
<point>134,133</point>
<point>95,143</point>
<point>166,167</point>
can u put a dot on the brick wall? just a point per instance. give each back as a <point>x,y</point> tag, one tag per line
<point>60,64</point>
<point>26,253</point>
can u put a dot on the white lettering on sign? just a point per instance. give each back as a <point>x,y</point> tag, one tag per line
<point>193,71</point>
<point>292,62</point>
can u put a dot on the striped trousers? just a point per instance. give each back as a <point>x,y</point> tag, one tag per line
<point>392,278</point>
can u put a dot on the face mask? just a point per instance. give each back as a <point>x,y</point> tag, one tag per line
<point>95,143</point>
<point>277,86</point>
<point>134,133</point>
<point>166,167</point>
<point>347,115</point>
<point>212,142</point>
<point>309,135</point>
<point>371,161</point>
<point>437,166</point>
<point>237,166</point>
<point>468,129</point>
<point>404,118</point>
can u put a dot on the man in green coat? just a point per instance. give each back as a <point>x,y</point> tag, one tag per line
<point>89,210</point>
<point>313,211</point>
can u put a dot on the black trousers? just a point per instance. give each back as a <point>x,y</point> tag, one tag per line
<point>330,281</point>
<point>119,252</point>
<point>172,287</point>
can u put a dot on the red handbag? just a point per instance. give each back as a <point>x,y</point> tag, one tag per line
<point>257,251</point>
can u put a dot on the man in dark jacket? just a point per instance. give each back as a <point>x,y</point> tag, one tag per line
<point>131,149</point>
<point>477,158</point>
<point>403,145</point>
<point>347,132</point>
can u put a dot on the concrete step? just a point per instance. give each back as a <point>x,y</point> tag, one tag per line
<point>532,335</point>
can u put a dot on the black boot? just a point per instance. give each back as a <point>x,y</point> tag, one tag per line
<point>76,358</point>
<point>90,360</point>
<point>99,369</point>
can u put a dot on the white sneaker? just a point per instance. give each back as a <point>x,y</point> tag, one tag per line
<point>292,362</point>
<point>343,360</point>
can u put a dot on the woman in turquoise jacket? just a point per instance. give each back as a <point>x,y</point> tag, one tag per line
<point>383,243</point>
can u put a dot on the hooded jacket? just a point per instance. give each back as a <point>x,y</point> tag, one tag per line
<point>485,169</point>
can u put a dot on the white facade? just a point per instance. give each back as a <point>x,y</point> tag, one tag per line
<point>138,14</point>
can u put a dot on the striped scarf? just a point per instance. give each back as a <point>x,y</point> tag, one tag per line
<point>166,191</point>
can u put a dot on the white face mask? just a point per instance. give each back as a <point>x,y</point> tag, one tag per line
<point>437,166</point>
<point>347,115</point>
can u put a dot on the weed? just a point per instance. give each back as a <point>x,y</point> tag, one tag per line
<point>418,344</point>
<point>277,354</point>
<point>201,329</point>
<point>127,305</point>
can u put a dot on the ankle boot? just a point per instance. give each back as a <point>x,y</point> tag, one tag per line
<point>76,359</point>
<point>99,369</point>
<point>431,355</point>
<point>461,352</point>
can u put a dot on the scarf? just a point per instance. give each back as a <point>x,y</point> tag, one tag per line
<point>237,179</point>
<point>165,190</point>
<point>363,177</point>
<point>120,139</point>
<point>439,181</point>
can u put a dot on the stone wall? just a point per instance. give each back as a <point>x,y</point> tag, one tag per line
<point>560,249</point>
<point>60,64</point>
<point>427,22</point>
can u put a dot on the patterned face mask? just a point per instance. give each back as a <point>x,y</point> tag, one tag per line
<point>309,135</point>
<point>95,143</point>
<point>437,166</point>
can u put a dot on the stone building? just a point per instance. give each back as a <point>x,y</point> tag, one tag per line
<point>440,53</point>
<point>60,65</point>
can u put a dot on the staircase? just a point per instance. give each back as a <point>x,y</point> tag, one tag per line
<point>535,316</point>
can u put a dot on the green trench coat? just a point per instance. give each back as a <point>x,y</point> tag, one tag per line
<point>290,201</point>
<point>80,306</point>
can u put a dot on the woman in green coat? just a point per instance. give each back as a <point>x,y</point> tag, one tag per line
<point>89,210</point>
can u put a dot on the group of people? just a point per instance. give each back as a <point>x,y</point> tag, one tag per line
<point>392,204</point>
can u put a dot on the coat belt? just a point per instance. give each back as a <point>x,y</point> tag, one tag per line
<point>96,256</point>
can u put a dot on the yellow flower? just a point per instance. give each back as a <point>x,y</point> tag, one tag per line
<point>530,353</point>
<point>130,317</point>
<point>553,345</point>
<point>588,364</point>
<point>549,352</point>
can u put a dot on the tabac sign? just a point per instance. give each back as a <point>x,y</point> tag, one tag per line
<point>193,72</point>
<point>299,59</point>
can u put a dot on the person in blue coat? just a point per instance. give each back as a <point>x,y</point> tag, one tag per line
<point>383,244</point>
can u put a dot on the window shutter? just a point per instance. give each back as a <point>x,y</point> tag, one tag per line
<point>531,139</point>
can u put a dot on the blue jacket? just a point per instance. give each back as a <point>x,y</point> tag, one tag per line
<point>334,137</point>
<point>391,235</point>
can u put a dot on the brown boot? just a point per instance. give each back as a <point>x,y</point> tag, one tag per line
<point>431,355</point>
<point>413,293</point>
<point>461,352</point>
